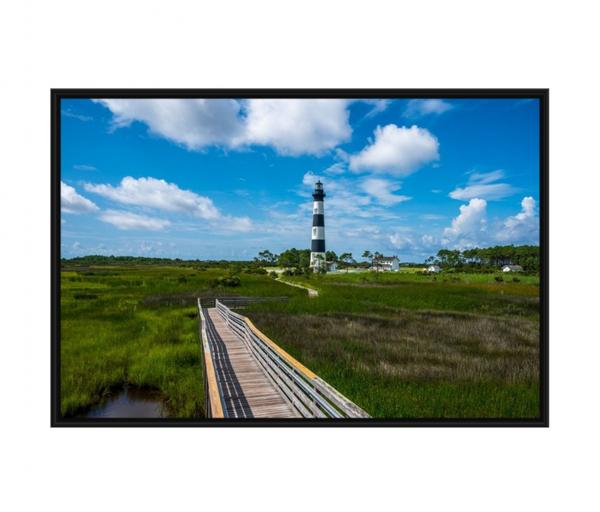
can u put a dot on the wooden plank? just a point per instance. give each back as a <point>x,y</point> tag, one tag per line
<point>247,390</point>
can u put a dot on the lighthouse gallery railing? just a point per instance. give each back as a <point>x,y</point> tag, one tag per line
<point>310,395</point>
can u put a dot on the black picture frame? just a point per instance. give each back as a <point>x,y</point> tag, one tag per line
<point>540,94</point>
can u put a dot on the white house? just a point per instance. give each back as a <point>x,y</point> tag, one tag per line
<point>389,263</point>
<point>512,268</point>
<point>434,269</point>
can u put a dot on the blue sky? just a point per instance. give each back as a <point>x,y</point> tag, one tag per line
<point>213,179</point>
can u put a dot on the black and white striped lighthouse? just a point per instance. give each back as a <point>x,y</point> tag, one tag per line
<point>317,246</point>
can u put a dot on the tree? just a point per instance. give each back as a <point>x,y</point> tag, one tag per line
<point>289,258</point>
<point>376,256</point>
<point>346,260</point>
<point>368,255</point>
<point>266,257</point>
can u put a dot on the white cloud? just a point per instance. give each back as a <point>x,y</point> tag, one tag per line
<point>470,225</point>
<point>290,126</point>
<point>428,240</point>
<point>399,151</point>
<point>193,123</point>
<point>72,202</point>
<point>382,190</point>
<point>481,185</point>
<point>75,115</point>
<point>132,221</point>
<point>297,126</point>
<point>159,194</point>
<point>522,227</point>
<point>310,178</point>
<point>243,224</point>
<point>336,169</point>
<point>491,192</point>
<point>420,108</point>
<point>486,177</point>
<point>401,241</point>
<point>343,201</point>
<point>378,106</point>
<point>84,167</point>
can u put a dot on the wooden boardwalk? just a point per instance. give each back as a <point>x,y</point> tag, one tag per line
<point>246,391</point>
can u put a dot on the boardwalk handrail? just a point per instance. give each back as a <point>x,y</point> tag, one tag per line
<point>310,395</point>
<point>213,402</point>
<point>238,300</point>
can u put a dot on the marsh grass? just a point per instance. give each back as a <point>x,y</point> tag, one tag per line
<point>400,345</point>
<point>418,364</point>
<point>408,346</point>
<point>138,326</point>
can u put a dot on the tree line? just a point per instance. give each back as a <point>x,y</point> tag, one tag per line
<point>478,259</point>
<point>488,258</point>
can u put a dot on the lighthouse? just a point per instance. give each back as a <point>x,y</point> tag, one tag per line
<point>317,247</point>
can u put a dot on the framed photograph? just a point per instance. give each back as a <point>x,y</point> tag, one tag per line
<point>299,257</point>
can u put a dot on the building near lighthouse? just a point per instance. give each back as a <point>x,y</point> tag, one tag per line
<point>317,244</point>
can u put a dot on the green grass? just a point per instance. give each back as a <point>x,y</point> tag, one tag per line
<point>401,345</point>
<point>139,326</point>
<point>408,346</point>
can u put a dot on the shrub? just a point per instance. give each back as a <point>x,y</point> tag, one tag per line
<point>273,274</point>
<point>499,279</point>
<point>516,280</point>
<point>288,272</point>
<point>255,270</point>
<point>232,281</point>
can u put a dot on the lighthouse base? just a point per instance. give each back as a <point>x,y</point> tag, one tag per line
<point>317,261</point>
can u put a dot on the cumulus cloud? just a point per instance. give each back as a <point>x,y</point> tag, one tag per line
<point>396,150</point>
<point>421,108</point>
<point>168,197</point>
<point>132,221</point>
<point>290,126</point>
<point>383,191</point>
<point>470,225</point>
<point>192,123</point>
<point>522,227</point>
<point>483,185</point>
<point>297,126</point>
<point>159,194</point>
<point>72,202</point>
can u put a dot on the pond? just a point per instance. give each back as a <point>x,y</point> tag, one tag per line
<point>130,402</point>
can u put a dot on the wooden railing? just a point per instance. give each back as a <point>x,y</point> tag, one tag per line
<point>237,301</point>
<point>213,403</point>
<point>310,395</point>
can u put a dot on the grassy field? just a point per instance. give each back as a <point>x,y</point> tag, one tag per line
<point>139,326</point>
<point>414,346</point>
<point>399,345</point>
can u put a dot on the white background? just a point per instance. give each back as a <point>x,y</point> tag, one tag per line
<point>310,44</point>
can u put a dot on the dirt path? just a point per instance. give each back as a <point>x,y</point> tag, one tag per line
<point>311,291</point>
